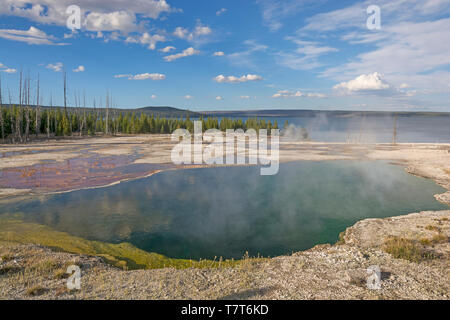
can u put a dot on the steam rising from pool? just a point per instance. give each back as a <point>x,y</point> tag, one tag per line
<point>224,212</point>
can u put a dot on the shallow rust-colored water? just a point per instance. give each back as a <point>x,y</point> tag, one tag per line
<point>78,173</point>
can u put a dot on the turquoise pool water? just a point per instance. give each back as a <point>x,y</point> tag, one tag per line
<point>224,212</point>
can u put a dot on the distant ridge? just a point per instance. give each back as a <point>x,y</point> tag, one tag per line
<point>161,111</point>
<point>171,112</point>
<point>166,111</point>
<point>314,113</point>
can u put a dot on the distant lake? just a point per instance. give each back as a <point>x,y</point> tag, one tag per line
<point>360,127</point>
<point>214,212</point>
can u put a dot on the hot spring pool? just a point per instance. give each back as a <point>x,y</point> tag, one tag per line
<point>225,212</point>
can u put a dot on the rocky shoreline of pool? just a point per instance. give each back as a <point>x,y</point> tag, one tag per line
<point>412,253</point>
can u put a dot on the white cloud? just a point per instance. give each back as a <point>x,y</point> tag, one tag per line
<point>392,12</point>
<point>364,83</point>
<point>70,35</point>
<point>151,40</point>
<point>5,69</point>
<point>142,76</point>
<point>31,36</point>
<point>199,31</point>
<point>9,70</point>
<point>221,12</point>
<point>411,47</point>
<point>147,76</point>
<point>245,97</point>
<point>98,15</point>
<point>181,32</point>
<point>186,53</point>
<point>146,39</point>
<point>114,36</point>
<point>57,67</point>
<point>219,98</point>
<point>411,93</point>
<point>188,97</point>
<point>219,54</point>
<point>79,69</point>
<point>316,95</point>
<point>243,58</point>
<point>111,21</point>
<point>297,94</point>
<point>202,30</point>
<point>153,96</point>
<point>286,94</point>
<point>167,49</point>
<point>274,12</point>
<point>305,57</point>
<point>408,51</point>
<point>232,79</point>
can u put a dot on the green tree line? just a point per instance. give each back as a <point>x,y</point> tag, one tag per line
<point>19,124</point>
<point>21,121</point>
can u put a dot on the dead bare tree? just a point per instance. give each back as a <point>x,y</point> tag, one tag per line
<point>27,111</point>
<point>2,124</point>
<point>77,111</point>
<point>65,102</point>
<point>56,119</point>
<point>116,124</point>
<point>48,116</point>
<point>65,91</point>
<point>107,112</point>
<point>113,129</point>
<point>19,111</point>
<point>11,117</point>
<point>115,119</point>
<point>83,121</point>
<point>99,112</point>
<point>96,116</point>
<point>20,88</point>
<point>19,115</point>
<point>37,120</point>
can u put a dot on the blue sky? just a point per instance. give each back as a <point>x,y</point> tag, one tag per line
<point>233,54</point>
